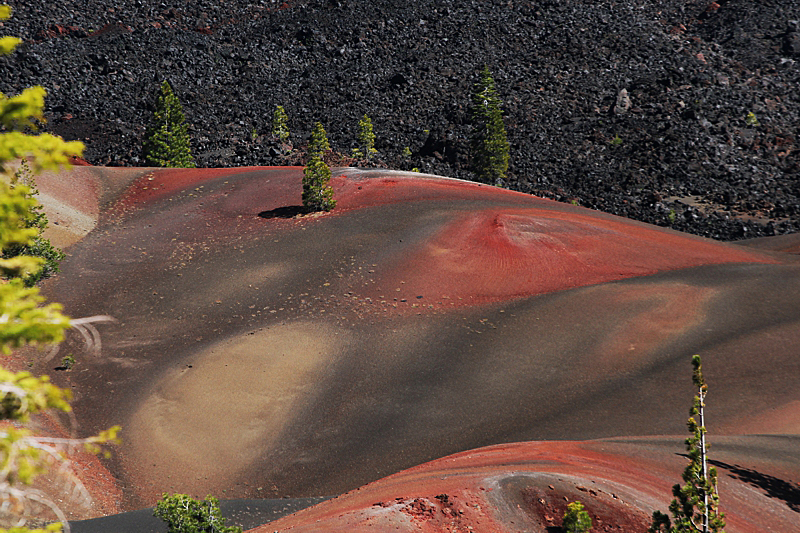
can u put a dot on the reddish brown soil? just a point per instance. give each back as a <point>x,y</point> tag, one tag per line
<point>526,487</point>
<point>422,317</point>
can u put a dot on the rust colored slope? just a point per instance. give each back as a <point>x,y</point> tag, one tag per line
<point>265,330</point>
<point>498,254</point>
<point>526,486</point>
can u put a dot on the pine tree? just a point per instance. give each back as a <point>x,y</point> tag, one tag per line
<point>318,145</point>
<point>489,143</point>
<point>366,139</point>
<point>167,139</point>
<point>695,508</point>
<point>280,124</point>
<point>317,193</point>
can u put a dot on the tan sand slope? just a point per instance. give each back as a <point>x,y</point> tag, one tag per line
<point>270,355</point>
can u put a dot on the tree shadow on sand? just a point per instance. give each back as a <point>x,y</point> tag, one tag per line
<point>775,487</point>
<point>288,211</point>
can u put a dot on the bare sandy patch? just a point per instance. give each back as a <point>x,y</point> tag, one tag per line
<point>207,421</point>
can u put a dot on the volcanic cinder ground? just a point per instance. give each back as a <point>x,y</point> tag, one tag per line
<point>262,353</point>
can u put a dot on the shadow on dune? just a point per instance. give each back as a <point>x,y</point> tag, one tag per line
<point>289,211</point>
<point>773,486</point>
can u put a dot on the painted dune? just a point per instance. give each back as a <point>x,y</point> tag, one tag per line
<point>262,354</point>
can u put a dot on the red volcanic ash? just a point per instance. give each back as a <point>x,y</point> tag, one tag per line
<point>526,486</point>
<point>500,254</point>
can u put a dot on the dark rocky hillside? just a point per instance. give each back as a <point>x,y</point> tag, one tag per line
<point>685,154</point>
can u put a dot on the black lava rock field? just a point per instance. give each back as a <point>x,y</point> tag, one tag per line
<point>682,113</point>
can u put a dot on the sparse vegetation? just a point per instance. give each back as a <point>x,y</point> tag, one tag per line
<point>39,246</point>
<point>751,119</point>
<point>166,141</point>
<point>366,139</point>
<point>280,124</point>
<point>695,508</point>
<point>672,217</point>
<point>26,320</point>
<point>184,514</point>
<point>489,143</point>
<point>616,141</point>
<point>576,519</point>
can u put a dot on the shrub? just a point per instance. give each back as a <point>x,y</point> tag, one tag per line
<point>184,514</point>
<point>576,520</point>
<point>167,139</point>
<point>489,144</point>
<point>280,124</point>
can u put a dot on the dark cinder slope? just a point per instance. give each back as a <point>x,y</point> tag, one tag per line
<point>693,69</point>
<point>260,354</point>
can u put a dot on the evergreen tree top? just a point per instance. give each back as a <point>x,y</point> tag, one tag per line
<point>166,141</point>
<point>318,144</point>
<point>485,98</point>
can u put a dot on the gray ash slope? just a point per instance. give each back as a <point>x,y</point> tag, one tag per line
<point>694,69</point>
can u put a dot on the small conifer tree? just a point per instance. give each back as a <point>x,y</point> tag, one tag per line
<point>695,508</point>
<point>489,143</point>
<point>317,193</point>
<point>280,124</point>
<point>318,145</point>
<point>366,139</point>
<point>576,520</point>
<point>167,139</point>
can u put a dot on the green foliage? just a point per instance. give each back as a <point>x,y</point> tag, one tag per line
<point>317,193</point>
<point>68,361</point>
<point>366,139</point>
<point>489,143</point>
<point>184,514</point>
<point>576,520</point>
<point>24,319</point>
<point>672,216</point>
<point>166,141</point>
<point>318,145</point>
<point>39,246</point>
<point>695,508</point>
<point>406,152</point>
<point>49,528</point>
<point>751,119</point>
<point>616,141</point>
<point>280,127</point>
